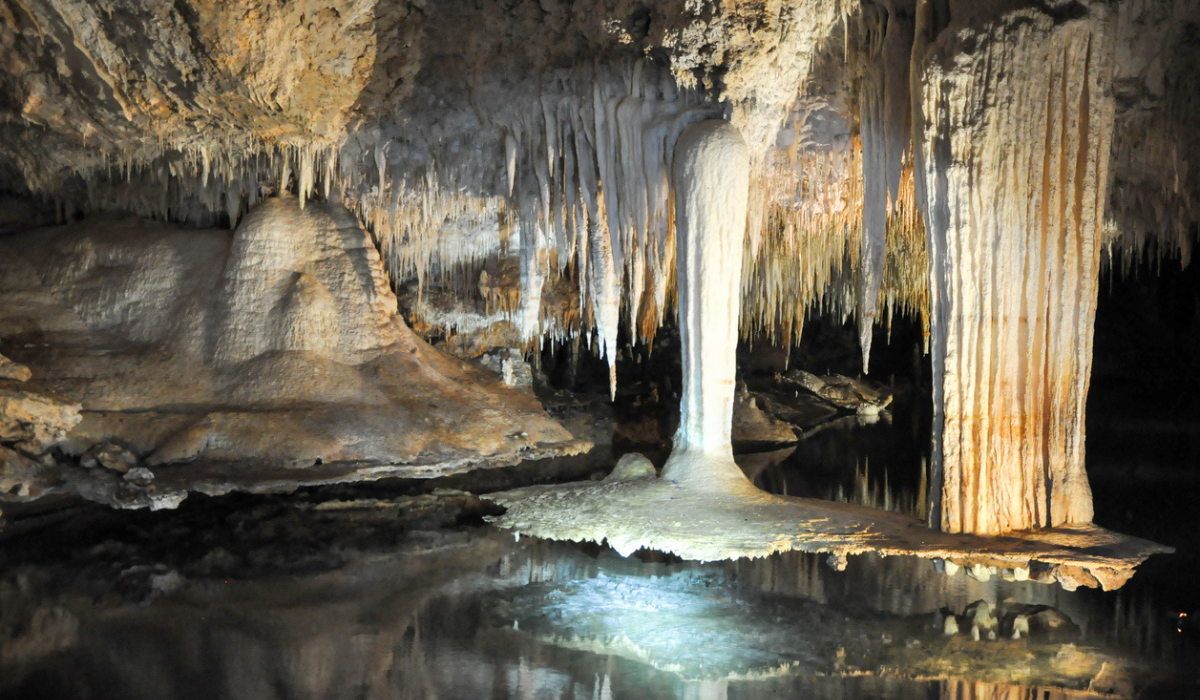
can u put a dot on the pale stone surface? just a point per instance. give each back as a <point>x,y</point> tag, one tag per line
<point>752,425</point>
<point>277,346</point>
<point>12,370</point>
<point>33,418</point>
<point>711,177</point>
<point>632,466</point>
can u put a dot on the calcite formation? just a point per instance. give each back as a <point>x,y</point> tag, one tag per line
<point>703,506</point>
<point>1015,170</point>
<point>712,179</point>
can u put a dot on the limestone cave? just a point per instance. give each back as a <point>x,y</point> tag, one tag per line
<point>605,349</point>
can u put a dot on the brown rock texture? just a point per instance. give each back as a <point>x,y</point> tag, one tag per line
<point>22,478</point>
<point>34,418</point>
<point>12,370</point>
<point>542,132</point>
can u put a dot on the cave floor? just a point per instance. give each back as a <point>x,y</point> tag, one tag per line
<point>709,526</point>
<point>173,483</point>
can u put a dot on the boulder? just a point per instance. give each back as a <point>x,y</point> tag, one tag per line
<point>844,392</point>
<point>37,419</point>
<point>109,456</point>
<point>752,425</point>
<point>632,466</point>
<point>22,479</point>
<point>262,358</point>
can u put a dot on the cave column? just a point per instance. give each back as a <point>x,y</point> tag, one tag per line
<point>1015,123</point>
<point>711,174</point>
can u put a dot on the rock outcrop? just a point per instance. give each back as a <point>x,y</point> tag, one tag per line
<point>12,370</point>
<point>278,345</point>
<point>32,423</point>
<point>948,159</point>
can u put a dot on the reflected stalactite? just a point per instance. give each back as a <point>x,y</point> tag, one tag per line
<point>975,690</point>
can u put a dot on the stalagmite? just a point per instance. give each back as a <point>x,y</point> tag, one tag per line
<point>712,179</point>
<point>1016,166</point>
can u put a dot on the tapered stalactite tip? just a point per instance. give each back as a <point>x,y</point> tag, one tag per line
<point>866,327</point>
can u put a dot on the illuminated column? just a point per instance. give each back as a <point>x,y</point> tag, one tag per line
<point>711,174</point>
<point>1017,121</point>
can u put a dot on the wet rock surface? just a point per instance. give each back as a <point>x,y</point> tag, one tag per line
<point>269,576</point>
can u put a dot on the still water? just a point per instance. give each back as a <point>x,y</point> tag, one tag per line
<point>274,602</point>
<point>400,590</point>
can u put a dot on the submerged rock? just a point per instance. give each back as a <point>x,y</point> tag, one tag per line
<point>109,456</point>
<point>843,392</point>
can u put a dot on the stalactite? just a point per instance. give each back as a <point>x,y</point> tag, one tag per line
<point>814,203</point>
<point>1156,163</point>
<point>884,120</point>
<point>533,278</point>
<point>585,165</point>
<point>605,292</point>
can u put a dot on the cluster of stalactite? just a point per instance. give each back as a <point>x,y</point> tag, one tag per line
<point>813,213</point>
<point>571,179</point>
<point>1155,184</point>
<point>202,184</point>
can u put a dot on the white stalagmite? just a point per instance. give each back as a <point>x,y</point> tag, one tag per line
<point>711,172</point>
<point>1016,172</point>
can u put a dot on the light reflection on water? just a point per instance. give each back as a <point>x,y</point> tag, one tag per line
<point>464,612</point>
<point>479,616</point>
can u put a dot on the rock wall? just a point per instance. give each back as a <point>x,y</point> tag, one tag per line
<point>278,345</point>
<point>541,133</point>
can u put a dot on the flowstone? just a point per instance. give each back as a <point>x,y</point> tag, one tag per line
<point>257,360</point>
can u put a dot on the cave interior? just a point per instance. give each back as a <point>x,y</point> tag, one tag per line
<point>599,348</point>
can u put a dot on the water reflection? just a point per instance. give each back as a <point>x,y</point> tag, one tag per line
<point>476,615</point>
